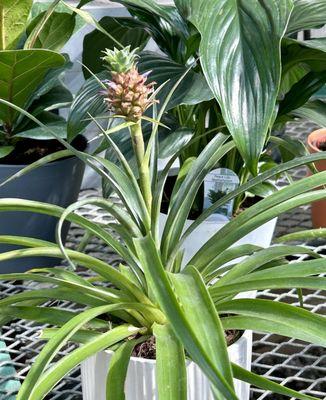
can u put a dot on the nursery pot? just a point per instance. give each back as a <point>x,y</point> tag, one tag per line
<point>316,141</point>
<point>141,382</point>
<point>55,183</point>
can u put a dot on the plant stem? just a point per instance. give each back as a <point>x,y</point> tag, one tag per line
<point>143,169</point>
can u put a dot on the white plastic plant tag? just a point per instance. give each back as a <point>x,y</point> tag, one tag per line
<point>217,184</point>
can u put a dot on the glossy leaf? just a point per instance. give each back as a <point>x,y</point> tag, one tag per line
<point>314,111</point>
<point>307,14</point>
<point>43,315</point>
<point>52,33</point>
<point>49,209</point>
<point>174,142</point>
<point>310,54</point>
<point>240,56</point>
<point>296,269</point>
<point>128,31</point>
<point>302,91</point>
<point>171,381</point>
<point>6,150</point>
<point>43,134</point>
<point>90,20</point>
<point>58,294</point>
<point>56,98</point>
<point>88,101</point>
<point>21,72</point>
<point>13,17</point>
<point>193,88</point>
<point>229,255</point>
<point>82,336</point>
<point>199,310</point>
<point>100,267</point>
<point>167,27</point>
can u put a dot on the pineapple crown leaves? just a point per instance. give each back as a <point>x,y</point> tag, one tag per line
<point>128,93</point>
<point>120,61</point>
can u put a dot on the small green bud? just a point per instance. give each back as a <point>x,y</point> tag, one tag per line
<point>120,60</point>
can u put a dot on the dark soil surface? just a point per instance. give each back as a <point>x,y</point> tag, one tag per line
<point>322,146</point>
<point>28,151</point>
<point>147,349</point>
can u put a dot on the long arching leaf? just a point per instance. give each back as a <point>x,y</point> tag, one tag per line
<point>170,364</point>
<point>270,316</point>
<point>54,374</point>
<point>58,341</point>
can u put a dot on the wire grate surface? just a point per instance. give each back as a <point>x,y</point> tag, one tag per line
<point>292,362</point>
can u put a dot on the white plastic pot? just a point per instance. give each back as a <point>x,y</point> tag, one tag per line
<point>262,236</point>
<point>141,383</point>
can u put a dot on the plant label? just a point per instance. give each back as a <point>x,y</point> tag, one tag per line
<point>217,184</point>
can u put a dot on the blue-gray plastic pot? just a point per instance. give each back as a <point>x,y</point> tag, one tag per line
<point>57,183</point>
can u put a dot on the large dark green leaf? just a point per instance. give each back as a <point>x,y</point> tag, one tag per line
<point>43,134</point>
<point>54,34</point>
<point>310,53</point>
<point>13,17</point>
<point>302,91</point>
<point>307,14</point>
<point>167,27</point>
<point>21,73</point>
<point>58,97</point>
<point>88,101</point>
<point>314,111</point>
<point>174,142</point>
<point>5,150</point>
<point>240,56</point>
<point>128,31</point>
<point>193,89</point>
<point>168,13</point>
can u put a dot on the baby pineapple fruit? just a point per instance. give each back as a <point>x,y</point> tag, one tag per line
<point>127,93</point>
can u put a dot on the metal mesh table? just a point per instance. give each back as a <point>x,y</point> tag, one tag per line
<point>292,362</point>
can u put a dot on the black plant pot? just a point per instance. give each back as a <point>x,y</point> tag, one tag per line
<point>57,183</point>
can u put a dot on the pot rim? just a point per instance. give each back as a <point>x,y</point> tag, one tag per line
<point>243,338</point>
<point>48,164</point>
<point>312,139</point>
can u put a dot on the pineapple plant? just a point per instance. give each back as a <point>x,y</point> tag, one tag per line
<point>128,94</point>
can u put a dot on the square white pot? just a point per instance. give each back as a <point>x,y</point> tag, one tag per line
<point>141,382</point>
